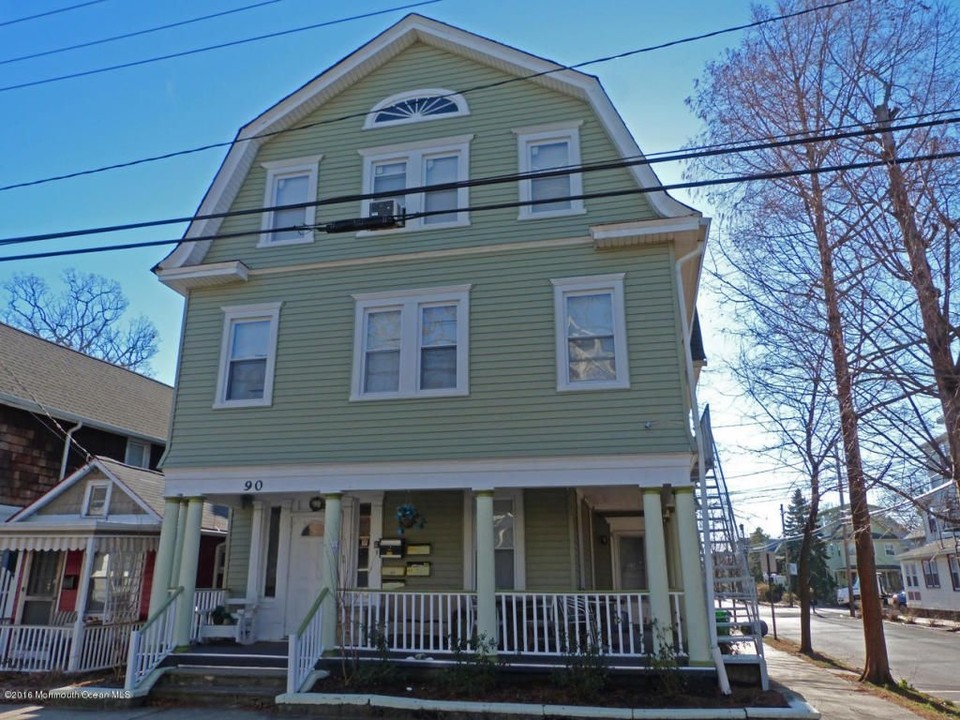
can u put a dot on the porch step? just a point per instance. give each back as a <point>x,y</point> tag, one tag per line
<point>220,686</point>
<point>249,661</point>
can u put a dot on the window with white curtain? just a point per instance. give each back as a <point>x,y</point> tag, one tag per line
<point>248,355</point>
<point>289,182</point>
<point>591,339</point>
<point>550,147</point>
<point>413,343</point>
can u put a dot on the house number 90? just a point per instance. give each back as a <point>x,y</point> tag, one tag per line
<point>255,485</point>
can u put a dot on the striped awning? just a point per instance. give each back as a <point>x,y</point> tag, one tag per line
<point>105,543</point>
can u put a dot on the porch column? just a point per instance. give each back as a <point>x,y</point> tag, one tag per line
<point>163,561</point>
<point>657,578</point>
<point>83,590</point>
<point>190,558</point>
<point>178,547</point>
<point>254,581</point>
<point>330,566</point>
<point>486,569</point>
<point>696,625</point>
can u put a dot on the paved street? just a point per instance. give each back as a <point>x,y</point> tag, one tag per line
<point>925,657</point>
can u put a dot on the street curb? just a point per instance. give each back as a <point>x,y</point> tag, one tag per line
<point>374,705</point>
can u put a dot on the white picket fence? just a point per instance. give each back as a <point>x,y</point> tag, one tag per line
<point>35,648</point>
<point>104,646</point>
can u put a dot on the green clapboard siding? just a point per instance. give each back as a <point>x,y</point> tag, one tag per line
<point>494,114</point>
<point>238,550</point>
<point>548,540</point>
<point>443,531</point>
<point>513,409</point>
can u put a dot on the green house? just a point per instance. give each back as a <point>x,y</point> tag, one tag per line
<point>436,357</point>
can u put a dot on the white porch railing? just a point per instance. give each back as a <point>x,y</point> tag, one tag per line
<point>408,622</point>
<point>306,646</point>
<point>151,644</point>
<point>104,646</point>
<point>35,648</point>
<point>529,623</point>
<point>204,601</point>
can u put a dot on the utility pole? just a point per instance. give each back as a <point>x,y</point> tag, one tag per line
<point>773,608</point>
<point>786,556</point>
<point>843,537</point>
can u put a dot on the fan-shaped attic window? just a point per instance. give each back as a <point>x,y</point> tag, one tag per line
<point>416,106</point>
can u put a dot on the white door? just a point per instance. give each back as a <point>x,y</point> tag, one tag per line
<point>305,566</point>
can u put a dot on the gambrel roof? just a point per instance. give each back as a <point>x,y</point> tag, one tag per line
<point>43,377</point>
<point>365,60</point>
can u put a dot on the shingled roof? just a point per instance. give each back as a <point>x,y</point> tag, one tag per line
<point>73,386</point>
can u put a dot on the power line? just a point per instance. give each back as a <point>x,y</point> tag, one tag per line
<point>359,115</point>
<point>208,48</point>
<point>136,33</point>
<point>491,180</point>
<point>50,12</point>
<point>507,205</point>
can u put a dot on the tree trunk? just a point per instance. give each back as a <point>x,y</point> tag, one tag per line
<point>876,666</point>
<point>803,578</point>
<point>936,325</point>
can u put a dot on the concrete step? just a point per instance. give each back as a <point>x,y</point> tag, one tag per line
<point>220,686</point>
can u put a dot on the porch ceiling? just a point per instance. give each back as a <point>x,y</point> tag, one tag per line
<point>613,499</point>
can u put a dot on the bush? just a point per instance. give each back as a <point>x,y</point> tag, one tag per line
<point>474,668</point>
<point>764,591</point>
<point>584,670</point>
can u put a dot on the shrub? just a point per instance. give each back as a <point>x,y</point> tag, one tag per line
<point>584,671</point>
<point>474,668</point>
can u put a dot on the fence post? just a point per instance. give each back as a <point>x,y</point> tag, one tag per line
<point>76,645</point>
<point>128,682</point>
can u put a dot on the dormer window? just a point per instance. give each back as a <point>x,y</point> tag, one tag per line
<point>97,500</point>
<point>416,106</point>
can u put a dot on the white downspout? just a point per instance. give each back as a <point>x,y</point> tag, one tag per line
<point>66,449</point>
<point>715,653</point>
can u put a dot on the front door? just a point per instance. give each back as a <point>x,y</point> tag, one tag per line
<point>43,584</point>
<point>630,562</point>
<point>305,566</point>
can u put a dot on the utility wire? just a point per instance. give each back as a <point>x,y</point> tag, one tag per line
<point>492,180</point>
<point>136,33</point>
<point>219,46</point>
<point>50,12</point>
<point>514,204</point>
<point>359,115</point>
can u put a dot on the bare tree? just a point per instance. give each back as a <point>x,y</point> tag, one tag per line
<point>85,316</point>
<point>780,82</point>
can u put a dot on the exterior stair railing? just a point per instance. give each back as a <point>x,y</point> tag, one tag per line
<point>306,646</point>
<point>151,644</point>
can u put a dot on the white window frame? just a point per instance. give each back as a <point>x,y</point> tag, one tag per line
<point>140,446</point>
<point>370,122</point>
<point>247,313</point>
<point>415,154</point>
<point>409,302</point>
<point>88,496</point>
<point>588,285</point>
<point>276,170</point>
<point>530,137</point>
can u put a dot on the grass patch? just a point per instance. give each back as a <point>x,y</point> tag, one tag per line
<point>902,694</point>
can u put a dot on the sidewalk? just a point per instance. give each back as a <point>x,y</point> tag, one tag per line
<point>835,693</point>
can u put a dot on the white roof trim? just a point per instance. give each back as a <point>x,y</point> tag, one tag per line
<point>72,480</point>
<point>183,279</point>
<point>368,58</point>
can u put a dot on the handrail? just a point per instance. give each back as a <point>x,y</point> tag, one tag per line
<point>305,646</point>
<point>313,609</point>
<point>157,634</point>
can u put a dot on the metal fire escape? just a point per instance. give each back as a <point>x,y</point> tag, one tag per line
<point>735,592</point>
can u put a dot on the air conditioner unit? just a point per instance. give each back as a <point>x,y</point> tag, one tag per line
<point>385,209</point>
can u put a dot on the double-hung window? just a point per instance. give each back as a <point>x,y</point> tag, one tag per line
<point>137,454</point>
<point>392,170</point>
<point>412,343</point>
<point>544,148</point>
<point>591,341</point>
<point>248,355</point>
<point>289,182</point>
<point>931,573</point>
<point>953,562</point>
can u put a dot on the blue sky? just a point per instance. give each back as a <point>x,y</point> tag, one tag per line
<point>113,117</point>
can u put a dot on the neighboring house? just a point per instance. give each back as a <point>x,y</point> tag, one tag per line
<point>477,423</point>
<point>931,571</point>
<point>889,541</point>
<point>57,405</point>
<point>84,558</point>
